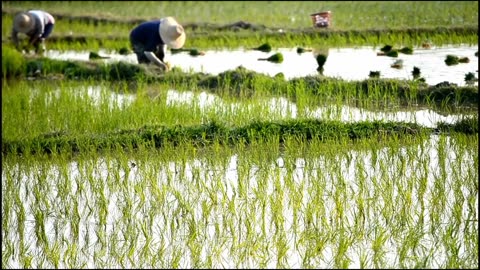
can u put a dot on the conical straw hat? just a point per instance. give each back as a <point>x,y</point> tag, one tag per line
<point>24,22</point>
<point>172,33</point>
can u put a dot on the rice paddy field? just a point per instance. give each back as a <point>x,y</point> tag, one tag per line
<point>340,154</point>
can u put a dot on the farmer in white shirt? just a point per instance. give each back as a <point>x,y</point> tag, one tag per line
<point>36,24</point>
<point>149,40</point>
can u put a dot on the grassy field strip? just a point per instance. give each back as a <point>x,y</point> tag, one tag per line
<point>394,206</point>
<point>345,15</point>
<point>109,110</point>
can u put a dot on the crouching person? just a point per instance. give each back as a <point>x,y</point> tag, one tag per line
<point>149,40</point>
<point>37,25</point>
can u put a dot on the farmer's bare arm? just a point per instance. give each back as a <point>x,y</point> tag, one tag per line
<point>151,56</point>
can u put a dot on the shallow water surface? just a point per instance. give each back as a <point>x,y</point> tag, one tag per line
<point>345,63</point>
<point>281,108</point>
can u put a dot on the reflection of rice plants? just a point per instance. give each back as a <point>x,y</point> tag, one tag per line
<point>321,59</point>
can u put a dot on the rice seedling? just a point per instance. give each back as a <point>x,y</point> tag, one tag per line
<point>275,58</point>
<point>301,50</point>
<point>374,74</point>
<point>451,60</point>
<point>406,50</point>
<point>265,47</point>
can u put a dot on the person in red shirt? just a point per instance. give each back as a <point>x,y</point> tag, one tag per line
<point>36,24</point>
<point>149,40</point>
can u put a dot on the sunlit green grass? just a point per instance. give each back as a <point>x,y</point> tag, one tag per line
<point>345,14</point>
<point>369,23</point>
<point>91,107</point>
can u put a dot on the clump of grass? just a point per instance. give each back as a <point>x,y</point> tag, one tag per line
<point>386,48</point>
<point>416,75</point>
<point>374,74</point>
<point>451,60</point>
<point>275,58</point>
<point>265,47</point>
<point>13,62</point>
<point>470,78</point>
<point>406,50</point>
<point>301,50</point>
<point>416,72</point>
<point>392,53</point>
<point>465,126</point>
<point>196,52</point>
<point>205,134</point>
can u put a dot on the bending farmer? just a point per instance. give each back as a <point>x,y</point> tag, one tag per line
<point>36,24</point>
<point>149,40</point>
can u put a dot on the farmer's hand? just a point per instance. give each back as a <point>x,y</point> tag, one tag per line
<point>165,66</point>
<point>168,66</point>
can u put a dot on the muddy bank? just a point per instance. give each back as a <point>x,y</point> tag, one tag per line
<point>204,135</point>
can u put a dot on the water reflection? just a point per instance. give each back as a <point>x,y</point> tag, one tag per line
<point>283,108</point>
<point>346,63</point>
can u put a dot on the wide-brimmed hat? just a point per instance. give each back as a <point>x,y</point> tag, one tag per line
<point>172,33</point>
<point>24,22</point>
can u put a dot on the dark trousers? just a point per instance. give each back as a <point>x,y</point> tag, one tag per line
<point>139,50</point>
<point>48,30</point>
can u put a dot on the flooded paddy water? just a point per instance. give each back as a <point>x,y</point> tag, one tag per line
<point>282,108</point>
<point>345,63</point>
